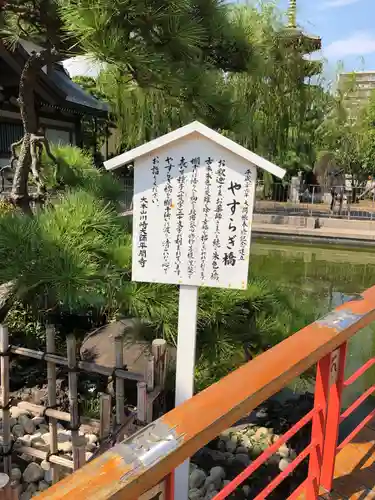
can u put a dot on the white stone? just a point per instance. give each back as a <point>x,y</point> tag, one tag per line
<point>33,473</point>
<point>45,465</point>
<point>12,421</point>
<point>27,424</point>
<point>18,430</point>
<point>43,428</point>
<point>65,446</point>
<point>16,474</point>
<point>246,490</point>
<point>283,451</point>
<point>43,486</point>
<point>283,464</point>
<point>88,455</point>
<point>91,438</point>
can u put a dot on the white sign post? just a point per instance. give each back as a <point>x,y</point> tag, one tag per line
<point>192,210</point>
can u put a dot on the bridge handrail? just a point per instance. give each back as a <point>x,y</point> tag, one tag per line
<point>134,466</point>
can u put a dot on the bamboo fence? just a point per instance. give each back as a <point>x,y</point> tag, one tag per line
<point>150,387</point>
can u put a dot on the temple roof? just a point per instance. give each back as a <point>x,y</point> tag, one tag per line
<point>54,86</point>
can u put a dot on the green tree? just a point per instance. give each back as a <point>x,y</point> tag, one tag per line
<point>94,130</point>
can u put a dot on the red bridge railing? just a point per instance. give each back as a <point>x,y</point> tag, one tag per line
<point>135,466</point>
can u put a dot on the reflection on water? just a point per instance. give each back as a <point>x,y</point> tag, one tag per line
<point>327,276</point>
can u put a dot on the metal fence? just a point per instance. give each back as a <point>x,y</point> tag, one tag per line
<point>315,201</point>
<point>309,201</point>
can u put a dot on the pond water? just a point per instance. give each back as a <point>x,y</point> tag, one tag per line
<point>328,276</point>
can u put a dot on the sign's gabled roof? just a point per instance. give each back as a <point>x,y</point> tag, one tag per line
<point>164,140</point>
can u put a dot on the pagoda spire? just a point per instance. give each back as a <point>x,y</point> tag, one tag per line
<point>292,14</point>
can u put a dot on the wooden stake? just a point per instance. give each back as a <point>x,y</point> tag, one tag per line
<point>6,491</point>
<point>149,375</point>
<point>141,401</point>
<point>42,455</point>
<point>73,400</point>
<point>120,390</point>
<point>51,380</point>
<point>105,415</point>
<point>160,352</point>
<point>4,374</point>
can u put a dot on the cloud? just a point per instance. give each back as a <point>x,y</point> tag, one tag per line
<point>82,66</point>
<point>331,4</point>
<point>358,44</point>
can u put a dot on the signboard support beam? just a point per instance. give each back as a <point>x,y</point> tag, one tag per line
<point>185,363</point>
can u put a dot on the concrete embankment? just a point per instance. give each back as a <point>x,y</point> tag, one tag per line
<point>300,228</point>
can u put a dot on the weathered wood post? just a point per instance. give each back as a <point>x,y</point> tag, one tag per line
<point>4,364</point>
<point>51,384</point>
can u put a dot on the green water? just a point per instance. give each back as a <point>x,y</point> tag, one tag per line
<point>327,276</point>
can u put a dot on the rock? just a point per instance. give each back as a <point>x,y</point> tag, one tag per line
<point>221,445</point>
<point>283,464</point>
<point>91,447</point>
<point>66,446</point>
<point>261,434</point>
<point>217,472</point>
<point>275,437</point>
<point>242,459</point>
<point>27,424</point>
<point>18,430</point>
<point>41,445</point>
<point>192,467</point>
<point>26,458</point>
<point>231,445</point>
<point>45,465</point>
<point>246,442</point>
<point>25,440</point>
<point>25,495</point>
<point>12,422</point>
<point>246,490</point>
<point>33,473</point>
<point>274,460</point>
<point>62,437</point>
<point>283,451</point>
<point>226,435</point>
<point>88,455</point>
<point>43,428</point>
<point>242,450</point>
<point>195,494</point>
<point>211,495</point>
<point>91,438</point>
<point>15,474</point>
<point>211,486</point>
<point>197,478</point>
<point>38,421</point>
<point>43,486</point>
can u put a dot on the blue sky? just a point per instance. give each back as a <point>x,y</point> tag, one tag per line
<point>347,28</point>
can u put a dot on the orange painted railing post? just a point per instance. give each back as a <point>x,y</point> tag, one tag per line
<point>318,426</point>
<point>336,382</point>
<point>169,488</point>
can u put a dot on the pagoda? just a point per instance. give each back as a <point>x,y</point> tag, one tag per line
<point>304,43</point>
